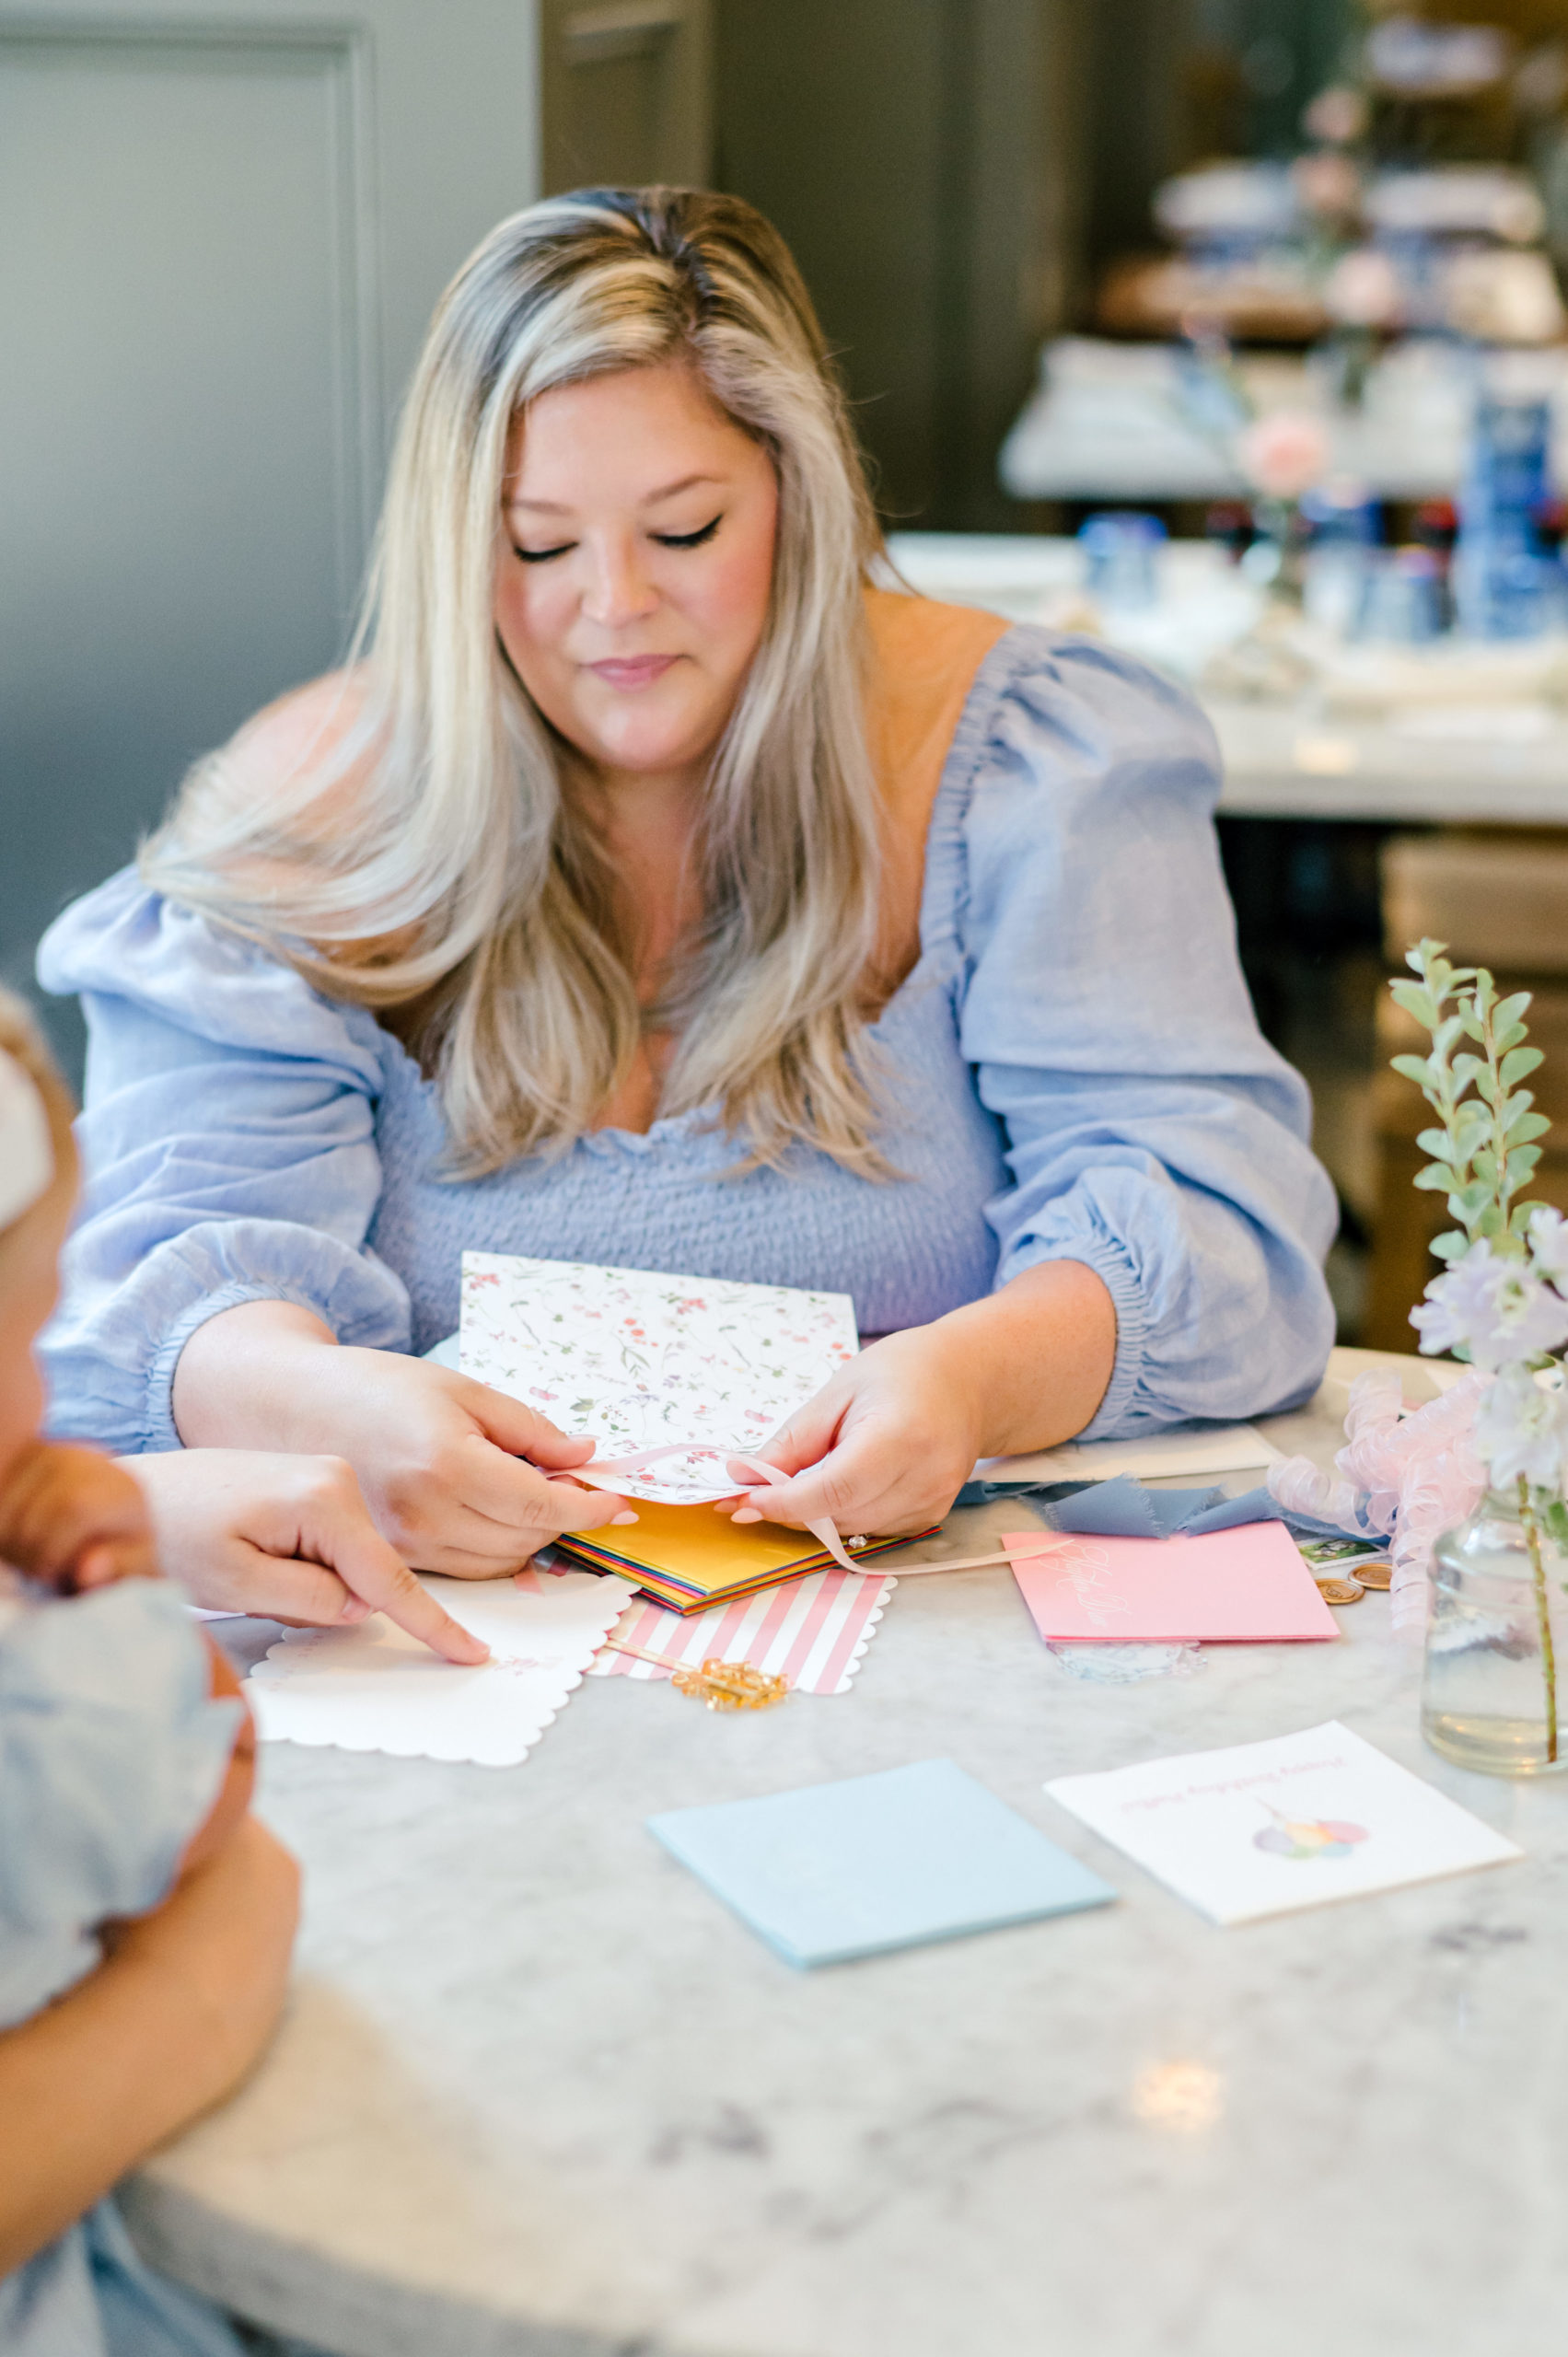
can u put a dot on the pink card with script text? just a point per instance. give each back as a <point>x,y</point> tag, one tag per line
<point>1232,1586</point>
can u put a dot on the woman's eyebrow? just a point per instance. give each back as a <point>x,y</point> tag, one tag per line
<point>668,491</point>
<point>687,482</point>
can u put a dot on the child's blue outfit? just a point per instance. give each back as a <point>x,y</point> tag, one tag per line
<point>112,1753</point>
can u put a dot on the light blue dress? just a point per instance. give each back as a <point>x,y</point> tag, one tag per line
<point>111,1754</point>
<point>1073,1072</point>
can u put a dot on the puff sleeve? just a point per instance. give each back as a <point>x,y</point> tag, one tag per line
<point>111,1754</point>
<point>1151,1131</point>
<point>229,1155</point>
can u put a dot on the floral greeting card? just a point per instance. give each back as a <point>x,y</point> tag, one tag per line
<point>642,1361</point>
<point>1263,1828</point>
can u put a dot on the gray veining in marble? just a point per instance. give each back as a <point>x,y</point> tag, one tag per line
<point>539,2093</point>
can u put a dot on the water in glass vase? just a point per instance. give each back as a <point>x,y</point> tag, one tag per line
<point>1498,1618</point>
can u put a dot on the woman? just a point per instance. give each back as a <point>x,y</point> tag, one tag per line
<point>657,891</point>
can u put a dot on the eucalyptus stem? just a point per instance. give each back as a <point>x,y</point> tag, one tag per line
<point>1543,1616</point>
<point>1497,1099</point>
<point>1488,1144</point>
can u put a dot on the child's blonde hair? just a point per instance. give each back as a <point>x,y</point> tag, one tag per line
<point>21,1040</point>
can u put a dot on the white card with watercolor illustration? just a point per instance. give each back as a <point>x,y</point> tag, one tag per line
<point>642,1361</point>
<point>374,1687</point>
<point>1262,1829</point>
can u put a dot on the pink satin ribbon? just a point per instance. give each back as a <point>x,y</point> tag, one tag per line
<point>824,1530</point>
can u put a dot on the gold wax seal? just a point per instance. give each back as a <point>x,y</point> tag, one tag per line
<point>1375,1574</point>
<point>721,1685</point>
<point>1339,1591</point>
<point>730,1685</point>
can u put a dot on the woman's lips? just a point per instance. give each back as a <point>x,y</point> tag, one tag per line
<point>632,670</point>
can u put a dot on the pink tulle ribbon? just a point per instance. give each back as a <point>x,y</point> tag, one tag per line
<point>1406,1475</point>
<point>824,1530</point>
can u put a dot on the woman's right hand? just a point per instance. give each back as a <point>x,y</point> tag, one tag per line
<point>456,1476</point>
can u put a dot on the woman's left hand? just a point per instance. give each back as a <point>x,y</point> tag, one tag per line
<point>889,1442</point>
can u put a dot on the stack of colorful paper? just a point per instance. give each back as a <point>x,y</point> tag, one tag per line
<point>689,1557</point>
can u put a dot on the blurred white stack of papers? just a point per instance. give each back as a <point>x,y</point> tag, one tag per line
<point>1179,1449</point>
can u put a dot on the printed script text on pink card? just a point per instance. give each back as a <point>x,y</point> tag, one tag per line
<point>1233,1586</point>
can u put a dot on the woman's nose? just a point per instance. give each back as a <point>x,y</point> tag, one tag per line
<point>619,590</point>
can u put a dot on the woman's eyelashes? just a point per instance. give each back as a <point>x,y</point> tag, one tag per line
<point>663,540</point>
<point>688,539</point>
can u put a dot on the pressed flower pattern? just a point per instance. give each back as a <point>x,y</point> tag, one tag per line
<point>640,1360</point>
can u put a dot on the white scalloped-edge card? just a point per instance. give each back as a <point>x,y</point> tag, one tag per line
<point>374,1687</point>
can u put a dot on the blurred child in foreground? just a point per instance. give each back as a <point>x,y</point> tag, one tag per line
<point>145,1917</point>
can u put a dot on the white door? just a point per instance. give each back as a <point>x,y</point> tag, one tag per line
<point>222,229</point>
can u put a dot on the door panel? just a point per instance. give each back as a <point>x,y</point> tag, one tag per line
<point>918,157</point>
<point>183,415</point>
<point>221,236</point>
<point>626,87</point>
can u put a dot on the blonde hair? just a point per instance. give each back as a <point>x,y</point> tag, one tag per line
<point>21,1040</point>
<point>424,854</point>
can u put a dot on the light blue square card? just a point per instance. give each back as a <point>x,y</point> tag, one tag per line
<point>882,1861</point>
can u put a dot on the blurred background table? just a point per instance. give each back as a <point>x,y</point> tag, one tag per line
<point>1438,760</point>
<point>1114,422</point>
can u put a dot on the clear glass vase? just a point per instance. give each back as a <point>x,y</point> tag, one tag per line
<point>1498,1620</point>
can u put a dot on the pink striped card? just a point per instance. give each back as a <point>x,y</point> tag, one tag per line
<point>812,1630</point>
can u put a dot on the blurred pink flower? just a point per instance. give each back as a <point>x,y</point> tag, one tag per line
<point>1339,113</point>
<point>1327,183</point>
<point>1285,453</point>
<point>1363,290</point>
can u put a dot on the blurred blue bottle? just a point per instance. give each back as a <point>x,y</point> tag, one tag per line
<point>1342,524</point>
<point>1401,601</point>
<point>1504,580</point>
<point>1122,559</point>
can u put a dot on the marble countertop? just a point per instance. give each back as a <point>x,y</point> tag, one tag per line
<point>538,2095</point>
<point>1462,769</point>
